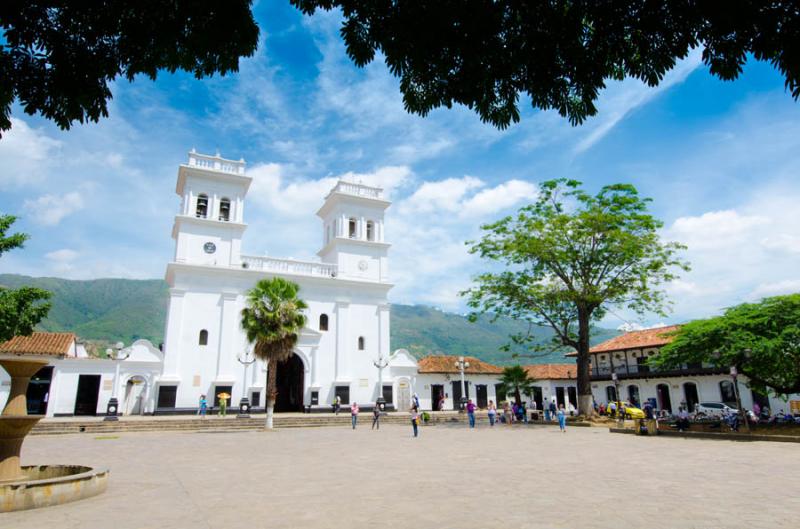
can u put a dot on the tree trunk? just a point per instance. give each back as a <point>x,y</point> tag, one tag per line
<point>517,396</point>
<point>272,368</point>
<point>585,400</point>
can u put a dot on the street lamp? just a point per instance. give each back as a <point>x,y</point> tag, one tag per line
<point>244,403</point>
<point>116,354</point>
<point>380,363</point>
<point>462,364</point>
<point>744,355</point>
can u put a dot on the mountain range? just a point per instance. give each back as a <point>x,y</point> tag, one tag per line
<point>110,310</point>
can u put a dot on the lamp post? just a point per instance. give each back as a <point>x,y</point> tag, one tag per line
<point>462,364</point>
<point>115,353</point>
<point>380,363</point>
<point>744,355</point>
<point>247,359</point>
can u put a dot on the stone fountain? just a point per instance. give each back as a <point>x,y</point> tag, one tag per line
<point>29,487</point>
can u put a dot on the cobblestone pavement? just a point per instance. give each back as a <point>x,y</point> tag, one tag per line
<point>449,477</point>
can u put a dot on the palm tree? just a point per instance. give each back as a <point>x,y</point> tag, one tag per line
<point>515,380</point>
<point>272,320</point>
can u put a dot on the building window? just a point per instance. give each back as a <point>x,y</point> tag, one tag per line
<point>323,322</point>
<point>351,228</point>
<point>387,394</point>
<point>727,393</point>
<point>360,343</point>
<point>611,394</point>
<point>203,340</point>
<point>225,209</point>
<point>633,394</point>
<point>370,230</point>
<point>202,206</point>
<point>167,395</point>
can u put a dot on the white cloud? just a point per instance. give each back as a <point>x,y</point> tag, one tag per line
<point>64,255</point>
<point>503,196</point>
<point>716,229</point>
<point>27,153</point>
<point>49,210</point>
<point>787,286</point>
<point>634,326</point>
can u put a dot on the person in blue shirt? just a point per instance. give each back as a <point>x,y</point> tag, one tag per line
<point>562,419</point>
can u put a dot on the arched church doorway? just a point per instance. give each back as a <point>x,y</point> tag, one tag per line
<point>134,395</point>
<point>289,382</point>
<point>664,401</point>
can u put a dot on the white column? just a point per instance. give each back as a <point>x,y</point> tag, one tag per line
<point>227,348</point>
<point>314,367</point>
<point>383,331</point>
<point>362,229</point>
<point>174,332</point>
<point>342,336</point>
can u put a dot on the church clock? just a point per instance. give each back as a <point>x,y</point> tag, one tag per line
<point>209,247</point>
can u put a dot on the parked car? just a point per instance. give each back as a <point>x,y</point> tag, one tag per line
<point>631,411</point>
<point>715,409</point>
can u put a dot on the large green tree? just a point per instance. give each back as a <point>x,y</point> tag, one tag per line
<point>485,54</point>
<point>515,381</point>
<point>23,308</point>
<point>57,58</point>
<point>272,320</point>
<point>570,256</point>
<point>762,340</point>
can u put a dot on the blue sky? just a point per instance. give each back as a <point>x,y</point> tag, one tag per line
<point>720,160</point>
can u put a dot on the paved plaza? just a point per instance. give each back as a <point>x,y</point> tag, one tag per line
<point>449,477</point>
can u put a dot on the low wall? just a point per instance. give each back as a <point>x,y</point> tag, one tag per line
<point>47,485</point>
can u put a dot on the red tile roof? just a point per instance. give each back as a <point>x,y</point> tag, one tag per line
<point>552,371</point>
<point>40,343</point>
<point>447,364</point>
<point>637,340</point>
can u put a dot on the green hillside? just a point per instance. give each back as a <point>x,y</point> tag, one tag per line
<point>125,309</point>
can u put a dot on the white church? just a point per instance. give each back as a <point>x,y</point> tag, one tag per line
<point>206,351</point>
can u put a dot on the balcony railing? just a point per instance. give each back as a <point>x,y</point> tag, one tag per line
<point>216,163</point>
<point>647,371</point>
<point>349,188</point>
<point>289,266</point>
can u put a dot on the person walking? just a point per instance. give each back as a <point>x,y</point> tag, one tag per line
<point>492,412</point>
<point>553,408</point>
<point>562,419</point>
<point>354,414</point>
<point>202,407</point>
<point>441,403</point>
<point>337,403</point>
<point>376,417</point>
<point>415,421</point>
<point>471,413</point>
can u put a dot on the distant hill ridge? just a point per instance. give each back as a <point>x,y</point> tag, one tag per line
<point>128,309</point>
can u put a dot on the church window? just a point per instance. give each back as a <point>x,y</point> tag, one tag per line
<point>360,343</point>
<point>351,228</point>
<point>370,230</point>
<point>202,206</point>
<point>225,209</point>
<point>323,322</point>
<point>203,340</point>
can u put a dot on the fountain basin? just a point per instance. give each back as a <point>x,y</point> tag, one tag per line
<point>46,485</point>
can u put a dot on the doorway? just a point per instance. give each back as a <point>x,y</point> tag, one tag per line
<point>403,395</point>
<point>289,383</point>
<point>134,395</point>
<point>437,393</point>
<point>560,397</point>
<point>457,393</point>
<point>664,402</point>
<point>690,395</point>
<point>481,395</point>
<point>38,393</point>
<point>633,394</point>
<point>572,395</point>
<point>87,395</point>
<point>537,397</point>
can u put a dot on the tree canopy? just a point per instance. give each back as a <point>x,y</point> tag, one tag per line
<point>272,320</point>
<point>486,54</point>
<point>570,256</point>
<point>762,340</point>
<point>58,58</point>
<point>515,381</point>
<point>23,308</point>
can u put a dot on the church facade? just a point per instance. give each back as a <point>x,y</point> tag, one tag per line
<point>205,349</point>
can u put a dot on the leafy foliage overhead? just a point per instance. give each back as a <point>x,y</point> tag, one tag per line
<point>21,309</point>
<point>568,258</point>
<point>58,58</point>
<point>762,340</point>
<point>485,54</point>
